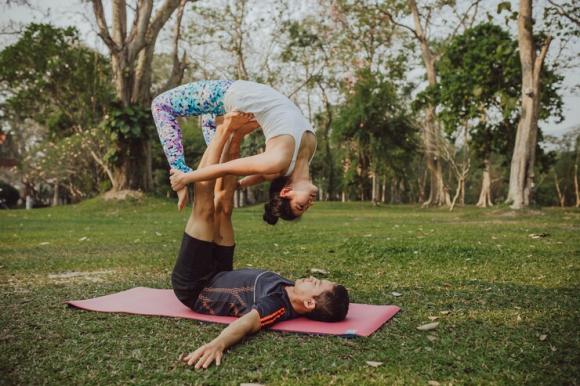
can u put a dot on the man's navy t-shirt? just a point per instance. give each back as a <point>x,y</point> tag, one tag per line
<point>235,293</point>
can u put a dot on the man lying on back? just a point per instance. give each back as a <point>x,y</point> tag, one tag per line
<point>203,278</point>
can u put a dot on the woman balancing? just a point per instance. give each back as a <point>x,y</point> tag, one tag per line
<point>290,141</point>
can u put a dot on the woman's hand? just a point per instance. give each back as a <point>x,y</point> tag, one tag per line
<point>237,120</point>
<point>178,179</point>
<point>182,198</point>
<point>205,355</point>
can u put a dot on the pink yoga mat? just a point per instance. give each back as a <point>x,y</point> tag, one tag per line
<point>362,319</point>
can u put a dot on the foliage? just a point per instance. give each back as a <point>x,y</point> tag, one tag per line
<point>9,195</point>
<point>374,118</point>
<point>480,87</point>
<point>48,76</point>
<point>124,125</point>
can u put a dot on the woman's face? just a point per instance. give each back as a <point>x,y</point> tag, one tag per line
<point>301,196</point>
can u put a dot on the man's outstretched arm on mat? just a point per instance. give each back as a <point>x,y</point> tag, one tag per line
<point>213,351</point>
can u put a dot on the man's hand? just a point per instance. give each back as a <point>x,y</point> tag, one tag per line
<point>182,198</point>
<point>205,355</point>
<point>178,179</point>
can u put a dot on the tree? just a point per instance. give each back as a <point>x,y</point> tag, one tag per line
<point>479,74</point>
<point>532,56</point>
<point>422,21</point>
<point>131,54</point>
<point>54,89</point>
<point>374,122</point>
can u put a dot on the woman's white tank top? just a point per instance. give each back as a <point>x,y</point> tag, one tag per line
<point>275,113</point>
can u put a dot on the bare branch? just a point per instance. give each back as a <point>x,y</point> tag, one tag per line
<point>159,20</point>
<point>119,22</point>
<point>136,38</point>
<point>462,18</point>
<point>392,20</point>
<point>178,66</point>
<point>540,61</point>
<point>103,29</point>
<point>562,12</point>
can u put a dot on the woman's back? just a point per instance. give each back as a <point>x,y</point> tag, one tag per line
<point>275,113</point>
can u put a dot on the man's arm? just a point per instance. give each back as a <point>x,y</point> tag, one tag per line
<point>235,122</point>
<point>232,334</point>
<point>253,179</point>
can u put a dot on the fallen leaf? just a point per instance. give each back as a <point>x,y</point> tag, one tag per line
<point>553,348</point>
<point>374,364</point>
<point>433,383</point>
<point>319,270</point>
<point>445,312</point>
<point>428,326</point>
<point>543,337</point>
<point>396,294</point>
<point>433,318</point>
<point>432,338</point>
<point>538,235</point>
<point>83,238</point>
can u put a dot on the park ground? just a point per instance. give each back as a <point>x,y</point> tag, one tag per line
<point>503,285</point>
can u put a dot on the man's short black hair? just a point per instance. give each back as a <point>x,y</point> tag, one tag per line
<point>331,306</point>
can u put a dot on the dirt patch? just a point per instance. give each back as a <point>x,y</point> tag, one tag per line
<point>123,195</point>
<point>94,276</point>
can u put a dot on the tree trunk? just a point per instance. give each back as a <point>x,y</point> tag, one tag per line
<point>131,57</point>
<point>485,194</point>
<point>576,190</point>
<point>375,189</point>
<point>55,194</point>
<point>524,155</point>
<point>395,191</point>
<point>384,190</point>
<point>438,194</point>
<point>458,192</point>
<point>561,197</point>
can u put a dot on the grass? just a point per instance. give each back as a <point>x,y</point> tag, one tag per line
<point>513,300</point>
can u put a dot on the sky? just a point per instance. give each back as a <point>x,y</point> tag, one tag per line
<point>79,14</point>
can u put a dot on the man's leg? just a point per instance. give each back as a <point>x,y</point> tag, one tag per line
<point>224,204</point>
<point>196,263</point>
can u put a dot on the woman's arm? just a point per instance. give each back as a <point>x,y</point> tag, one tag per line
<point>264,163</point>
<point>232,334</point>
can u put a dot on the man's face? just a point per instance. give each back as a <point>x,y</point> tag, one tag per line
<point>312,287</point>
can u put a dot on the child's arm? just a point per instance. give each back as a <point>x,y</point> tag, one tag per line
<point>232,334</point>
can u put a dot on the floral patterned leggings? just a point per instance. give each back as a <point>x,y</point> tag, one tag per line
<point>204,98</point>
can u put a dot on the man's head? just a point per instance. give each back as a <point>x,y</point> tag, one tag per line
<point>321,300</point>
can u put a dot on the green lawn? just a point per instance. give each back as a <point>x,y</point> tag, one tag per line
<point>513,300</point>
